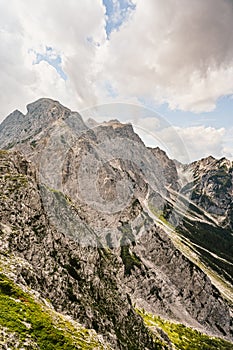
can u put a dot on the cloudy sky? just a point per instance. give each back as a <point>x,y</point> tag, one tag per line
<point>174,57</point>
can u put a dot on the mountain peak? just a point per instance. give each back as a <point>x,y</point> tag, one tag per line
<point>211,163</point>
<point>47,107</point>
<point>17,127</point>
<point>41,101</point>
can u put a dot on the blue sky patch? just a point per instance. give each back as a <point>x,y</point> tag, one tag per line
<point>117,12</point>
<point>111,92</point>
<point>52,58</point>
<point>220,117</point>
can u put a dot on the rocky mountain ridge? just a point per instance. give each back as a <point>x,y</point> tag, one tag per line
<point>213,189</point>
<point>114,242</point>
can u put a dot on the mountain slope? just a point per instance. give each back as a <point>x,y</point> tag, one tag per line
<point>29,323</point>
<point>105,225</point>
<point>78,281</point>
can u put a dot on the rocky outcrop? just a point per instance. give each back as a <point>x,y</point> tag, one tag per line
<point>18,128</point>
<point>169,168</point>
<point>212,188</point>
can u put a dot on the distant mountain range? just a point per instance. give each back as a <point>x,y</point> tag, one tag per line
<point>108,244</point>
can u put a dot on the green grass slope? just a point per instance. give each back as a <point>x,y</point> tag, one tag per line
<point>184,338</point>
<point>36,326</point>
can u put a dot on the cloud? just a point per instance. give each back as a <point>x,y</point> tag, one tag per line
<point>174,51</point>
<point>170,51</point>
<point>201,141</point>
<point>188,143</point>
<point>228,144</point>
<point>185,144</point>
<point>29,27</point>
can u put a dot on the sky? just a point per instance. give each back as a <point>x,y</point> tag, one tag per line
<point>173,59</point>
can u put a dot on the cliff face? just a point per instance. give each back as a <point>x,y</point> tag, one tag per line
<point>213,188</point>
<point>92,219</point>
<point>210,191</point>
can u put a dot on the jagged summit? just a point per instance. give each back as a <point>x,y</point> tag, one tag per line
<point>15,116</point>
<point>46,116</point>
<point>211,161</point>
<point>45,111</point>
<point>41,115</point>
<point>47,107</point>
<point>112,122</point>
<point>91,123</point>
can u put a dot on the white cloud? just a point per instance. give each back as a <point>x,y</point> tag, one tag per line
<point>175,51</point>
<point>188,143</point>
<point>185,144</point>
<point>27,26</point>
<point>228,144</point>
<point>201,141</point>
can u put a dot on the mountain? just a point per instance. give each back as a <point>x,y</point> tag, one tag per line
<point>213,189</point>
<point>112,243</point>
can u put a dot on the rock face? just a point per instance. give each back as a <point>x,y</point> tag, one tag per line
<point>210,191</point>
<point>79,281</point>
<point>17,127</point>
<point>213,188</point>
<point>97,217</point>
<point>169,168</point>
